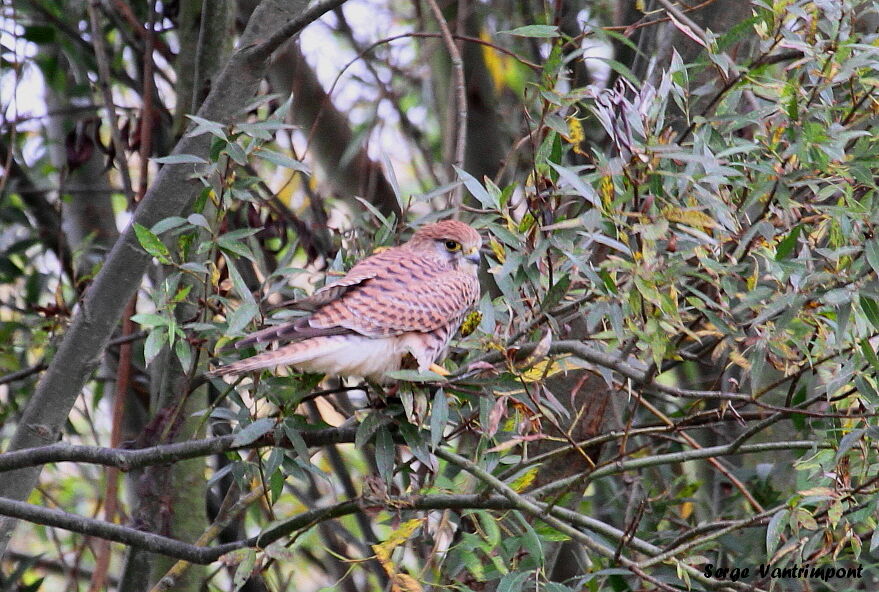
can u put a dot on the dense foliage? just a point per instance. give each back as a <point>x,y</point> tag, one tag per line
<point>672,371</point>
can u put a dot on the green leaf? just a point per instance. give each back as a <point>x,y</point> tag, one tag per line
<point>531,540</point>
<point>538,31</point>
<point>391,176</point>
<point>490,528</point>
<point>241,316</point>
<point>774,531</point>
<point>367,428</point>
<point>153,344</point>
<point>152,244</point>
<point>238,283</point>
<point>787,244</point>
<point>244,570</point>
<point>869,354</point>
<point>871,309</point>
<point>281,160</point>
<point>235,247</point>
<point>184,354</point>
<point>384,454</point>
<point>167,224</point>
<point>871,250</point>
<point>276,485</point>
<point>195,267</point>
<point>236,153</point>
<point>477,190</point>
<point>573,179</point>
<point>252,432</point>
<point>296,440</point>
<point>148,319</point>
<point>439,417</point>
<point>417,445</point>
<point>375,212</point>
<point>416,376</point>
<point>180,159</point>
<point>512,582</point>
<point>205,126</point>
<point>848,441</point>
<point>557,292</point>
<point>199,220</point>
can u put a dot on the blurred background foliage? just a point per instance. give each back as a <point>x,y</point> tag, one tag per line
<point>673,365</point>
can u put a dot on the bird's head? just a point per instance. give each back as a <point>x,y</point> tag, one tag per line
<point>453,242</point>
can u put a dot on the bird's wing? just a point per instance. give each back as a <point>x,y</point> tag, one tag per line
<point>407,293</point>
<point>300,328</point>
<point>293,330</point>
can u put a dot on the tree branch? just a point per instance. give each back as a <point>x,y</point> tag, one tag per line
<point>460,98</point>
<point>127,460</point>
<point>172,193</point>
<point>544,512</point>
<point>673,457</point>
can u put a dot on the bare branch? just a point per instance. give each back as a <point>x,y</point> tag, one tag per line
<point>674,458</point>
<point>460,98</point>
<point>107,93</point>
<point>127,460</point>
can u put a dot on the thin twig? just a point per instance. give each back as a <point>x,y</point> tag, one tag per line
<point>543,512</point>
<point>107,93</point>
<point>223,520</point>
<point>124,10</point>
<point>456,197</point>
<point>617,467</point>
<point>127,460</point>
<point>111,491</point>
<point>146,121</point>
<point>23,373</point>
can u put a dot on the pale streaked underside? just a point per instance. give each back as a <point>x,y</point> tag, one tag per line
<point>408,299</point>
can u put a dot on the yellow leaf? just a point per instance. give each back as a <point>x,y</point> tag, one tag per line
<point>524,480</point>
<point>497,250</point>
<point>547,368</point>
<point>686,510</point>
<point>404,583</point>
<point>693,218</point>
<point>739,360</point>
<point>497,64</point>
<point>214,273</point>
<point>823,491</point>
<point>539,352</point>
<point>398,537</point>
<point>471,322</point>
<point>605,190</point>
<point>576,135</point>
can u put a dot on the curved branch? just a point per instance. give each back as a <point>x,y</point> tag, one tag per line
<point>114,532</point>
<point>546,513</point>
<point>204,555</point>
<point>674,457</point>
<point>126,460</point>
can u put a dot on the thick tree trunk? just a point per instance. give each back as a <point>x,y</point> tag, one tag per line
<point>171,194</point>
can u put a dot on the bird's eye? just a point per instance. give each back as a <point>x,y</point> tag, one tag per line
<point>453,245</point>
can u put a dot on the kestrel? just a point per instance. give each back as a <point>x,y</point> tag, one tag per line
<point>408,299</point>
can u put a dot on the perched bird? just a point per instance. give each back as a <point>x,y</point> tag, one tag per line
<point>408,299</point>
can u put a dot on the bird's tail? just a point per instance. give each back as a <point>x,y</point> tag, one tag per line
<point>289,355</point>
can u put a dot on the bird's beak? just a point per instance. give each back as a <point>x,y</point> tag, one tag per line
<point>472,256</point>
